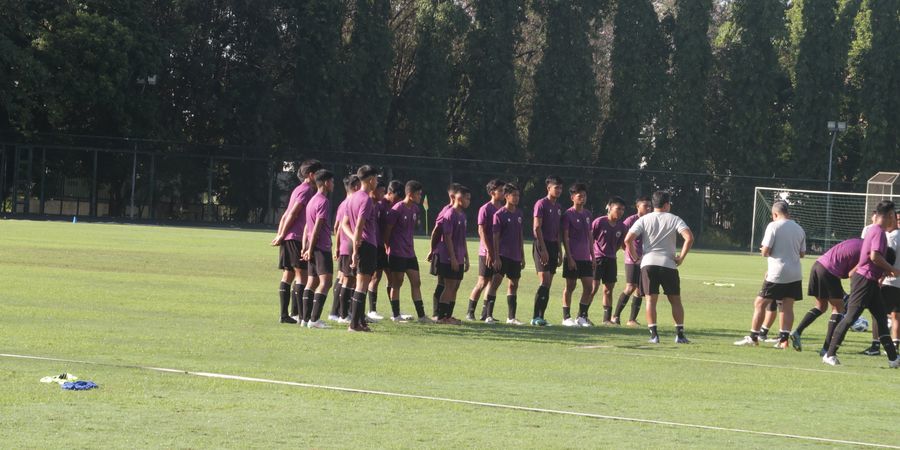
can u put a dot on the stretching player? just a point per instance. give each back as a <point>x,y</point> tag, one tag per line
<point>340,312</point>
<point>485,251</point>
<point>509,245</point>
<point>547,257</point>
<point>579,260</point>
<point>360,226</point>
<point>864,289</point>
<point>317,250</point>
<point>874,349</point>
<point>658,232</point>
<point>608,234</point>
<point>288,239</point>
<point>453,249</point>
<point>825,285</point>
<point>436,233</point>
<point>783,245</point>
<point>398,235</point>
<point>633,269</point>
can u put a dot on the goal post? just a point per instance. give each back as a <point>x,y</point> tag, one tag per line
<point>827,217</point>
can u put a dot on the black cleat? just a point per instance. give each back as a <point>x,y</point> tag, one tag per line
<point>871,351</point>
<point>288,319</point>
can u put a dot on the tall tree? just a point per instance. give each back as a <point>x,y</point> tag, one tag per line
<point>566,108</point>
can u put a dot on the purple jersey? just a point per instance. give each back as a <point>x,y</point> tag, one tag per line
<point>579,226</point>
<point>486,218</point>
<point>628,222</point>
<point>381,215</point>
<point>346,247</point>
<point>359,206</point>
<point>608,237</point>
<point>876,241</point>
<point>453,225</point>
<point>551,215</point>
<point>301,195</point>
<point>509,225</point>
<point>319,208</point>
<point>404,219</point>
<point>838,260</point>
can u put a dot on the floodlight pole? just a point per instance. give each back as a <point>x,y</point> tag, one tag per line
<point>834,127</point>
<point>133,179</point>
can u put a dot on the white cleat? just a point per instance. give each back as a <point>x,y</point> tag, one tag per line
<point>317,324</point>
<point>570,322</point>
<point>490,320</point>
<point>303,323</point>
<point>399,319</point>
<point>895,363</point>
<point>297,318</point>
<point>343,320</point>
<point>374,316</point>
<point>584,322</point>
<point>334,318</point>
<point>425,320</point>
<point>513,321</point>
<point>831,360</point>
<point>747,341</point>
<point>406,317</point>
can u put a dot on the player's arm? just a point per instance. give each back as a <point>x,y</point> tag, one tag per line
<point>765,251</point>
<point>565,240</point>
<point>357,239</point>
<point>496,245</point>
<point>386,236</point>
<point>435,238</point>
<point>537,229</point>
<point>629,246</point>
<point>522,246</point>
<point>482,236</point>
<point>688,237</point>
<point>451,251</point>
<point>337,238</point>
<point>878,259</point>
<point>320,223</point>
<point>290,216</point>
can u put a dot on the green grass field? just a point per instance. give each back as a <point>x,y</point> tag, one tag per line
<point>206,300</point>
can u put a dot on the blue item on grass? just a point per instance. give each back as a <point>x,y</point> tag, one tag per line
<point>79,385</point>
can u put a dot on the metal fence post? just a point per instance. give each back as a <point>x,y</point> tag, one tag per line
<point>43,179</point>
<point>152,187</point>
<point>93,207</point>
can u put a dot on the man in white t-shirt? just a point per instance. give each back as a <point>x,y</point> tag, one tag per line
<point>659,232</point>
<point>783,244</point>
<point>890,287</point>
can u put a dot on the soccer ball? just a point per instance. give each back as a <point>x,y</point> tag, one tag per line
<point>861,324</point>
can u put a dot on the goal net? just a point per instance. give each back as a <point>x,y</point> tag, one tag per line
<point>827,217</point>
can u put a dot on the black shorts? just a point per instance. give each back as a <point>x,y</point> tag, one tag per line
<point>552,257</point>
<point>344,264</point>
<point>321,264</point>
<point>289,256</point>
<point>633,276</point>
<point>582,269</point>
<point>368,259</point>
<point>606,270</point>
<point>510,269</point>
<point>780,291</point>
<point>435,262</point>
<point>400,264</point>
<point>445,270</point>
<point>484,270</point>
<point>383,261</point>
<point>652,277</point>
<point>890,295</point>
<point>822,284</point>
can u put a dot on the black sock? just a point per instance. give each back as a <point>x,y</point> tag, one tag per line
<point>764,333</point>
<point>636,308</point>
<point>472,305</point>
<point>875,345</point>
<point>889,347</point>
<point>284,297</point>
<point>488,310</point>
<point>545,300</point>
<point>679,331</point>
<point>307,304</point>
<point>318,303</point>
<point>512,303</point>
<point>783,336</point>
<point>297,299</point>
<point>897,344</point>
<point>354,310</point>
<point>607,313</point>
<point>336,304</point>
<point>653,332</point>
<point>420,308</point>
<point>346,295</point>
<point>395,308</point>
<point>567,312</point>
<point>436,298</point>
<point>373,301</point>
<point>443,310</point>
<point>542,292</point>
<point>583,310</point>
<point>389,288</point>
<point>452,307</point>
<point>620,305</point>
<point>808,319</point>
<point>832,322</point>
<point>754,335</point>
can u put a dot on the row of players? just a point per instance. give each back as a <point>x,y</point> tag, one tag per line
<point>871,264</point>
<point>373,234</point>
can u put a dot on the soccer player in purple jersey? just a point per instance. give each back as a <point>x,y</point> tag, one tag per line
<point>432,258</point>
<point>547,257</point>
<point>384,201</point>
<point>398,235</point>
<point>317,249</point>
<point>632,269</point>
<point>608,234</point>
<point>288,237</point>
<point>509,245</point>
<point>579,259</point>
<point>453,254</point>
<point>485,251</point>
<point>340,310</point>
<point>825,286</point>
<point>359,225</point>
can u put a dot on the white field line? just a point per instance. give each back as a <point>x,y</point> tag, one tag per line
<point>467,402</point>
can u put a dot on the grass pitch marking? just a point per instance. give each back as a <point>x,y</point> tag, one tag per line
<point>462,402</point>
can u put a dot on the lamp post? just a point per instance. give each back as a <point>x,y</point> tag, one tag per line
<point>834,127</point>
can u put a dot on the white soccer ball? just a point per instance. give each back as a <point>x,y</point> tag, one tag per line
<point>861,324</point>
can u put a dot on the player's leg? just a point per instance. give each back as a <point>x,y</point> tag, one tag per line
<point>284,295</point>
<point>490,298</point>
<point>787,321</point>
<point>812,315</point>
<point>770,314</point>
<point>542,296</point>
<point>325,274</point>
<point>395,281</point>
<point>448,297</point>
<point>484,277</point>
<point>512,300</point>
<point>372,295</point>
<point>875,305</point>
<point>571,281</point>
<point>608,288</point>
<point>415,288</point>
<point>312,285</point>
<point>859,290</point>
<point>837,314</point>
<point>584,304</point>
<point>622,302</point>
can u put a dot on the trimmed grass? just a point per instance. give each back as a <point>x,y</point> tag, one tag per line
<point>206,300</point>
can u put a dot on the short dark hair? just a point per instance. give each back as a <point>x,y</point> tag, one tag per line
<point>453,188</point>
<point>643,198</point>
<point>463,190</point>
<point>553,179</point>
<point>494,185</point>
<point>577,187</point>
<point>661,198</point>
<point>366,171</point>
<point>616,200</point>
<point>885,207</point>
<point>509,188</point>
<point>780,207</point>
<point>354,182</point>
<point>395,187</point>
<point>382,183</point>
<point>322,177</point>
<point>309,166</point>
<point>413,186</point>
